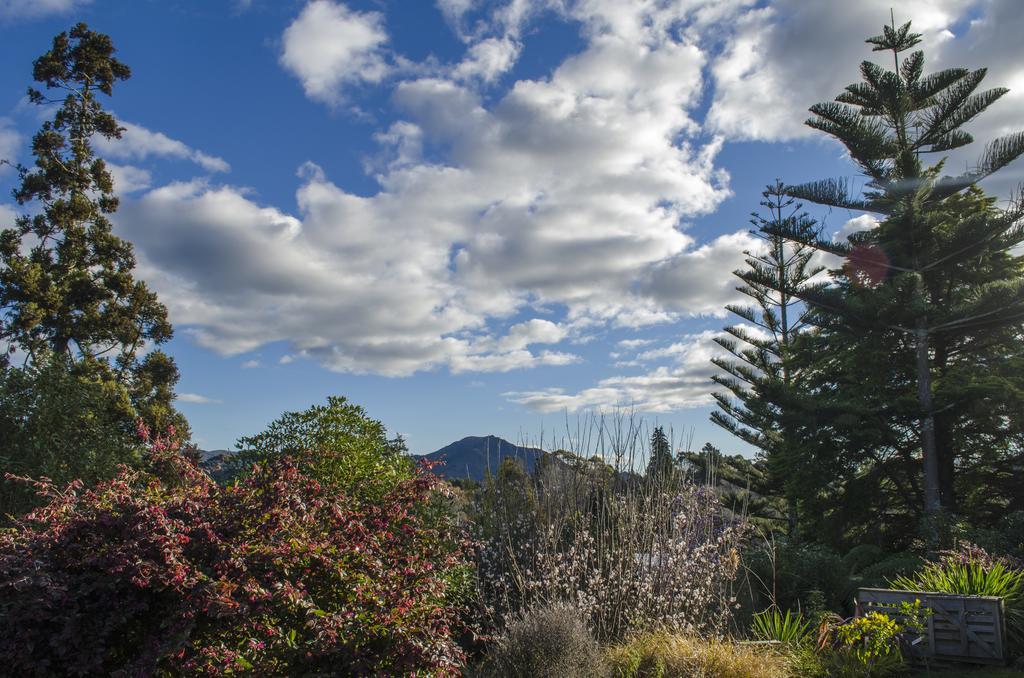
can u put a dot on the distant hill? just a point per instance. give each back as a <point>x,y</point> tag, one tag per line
<point>207,455</point>
<point>471,457</point>
<point>213,462</point>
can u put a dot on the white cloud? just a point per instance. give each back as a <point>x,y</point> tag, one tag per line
<point>488,59</point>
<point>512,360</point>
<point>454,11</point>
<point>561,196</point>
<point>536,331</point>
<point>790,54</point>
<point>33,9</point>
<point>10,142</point>
<point>685,384</point>
<point>7,216</point>
<point>286,360</point>
<point>138,143</point>
<point>129,179</point>
<point>250,364</point>
<point>629,344</point>
<point>195,398</point>
<point>329,47</point>
<point>859,223</point>
<point>700,281</point>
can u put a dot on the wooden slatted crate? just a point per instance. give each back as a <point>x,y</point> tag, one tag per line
<point>960,628</point>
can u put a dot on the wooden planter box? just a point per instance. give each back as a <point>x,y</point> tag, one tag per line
<point>960,628</point>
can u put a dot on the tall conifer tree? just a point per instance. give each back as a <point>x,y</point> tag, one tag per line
<point>66,285</point>
<point>759,377</point>
<point>930,302</point>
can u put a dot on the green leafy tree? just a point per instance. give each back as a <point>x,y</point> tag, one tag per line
<point>66,283</point>
<point>336,443</point>
<point>759,379</point>
<point>58,421</point>
<point>919,333</point>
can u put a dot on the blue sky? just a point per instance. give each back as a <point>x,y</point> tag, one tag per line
<point>468,216</point>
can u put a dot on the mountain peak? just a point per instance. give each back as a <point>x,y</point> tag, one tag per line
<point>473,456</point>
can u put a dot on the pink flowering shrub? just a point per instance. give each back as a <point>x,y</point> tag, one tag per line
<point>162,570</point>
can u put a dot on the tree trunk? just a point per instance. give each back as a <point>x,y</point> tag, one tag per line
<point>946,460</point>
<point>932,501</point>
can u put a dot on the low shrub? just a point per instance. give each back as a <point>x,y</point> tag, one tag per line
<point>790,628</point>
<point>895,565</point>
<point>873,640</point>
<point>550,642</point>
<point>970,570</point>
<point>161,570</point>
<point>862,556</point>
<point>666,655</point>
<point>867,646</point>
<point>787,573</point>
<point>632,561</point>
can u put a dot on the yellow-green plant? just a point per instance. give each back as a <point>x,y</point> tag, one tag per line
<point>874,641</point>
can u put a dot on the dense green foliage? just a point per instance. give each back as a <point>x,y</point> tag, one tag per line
<point>336,443</point>
<point>58,421</point>
<point>789,628</point>
<point>71,313</point>
<point>909,397</point>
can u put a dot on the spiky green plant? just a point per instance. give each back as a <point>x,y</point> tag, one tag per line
<point>790,628</point>
<point>974,577</point>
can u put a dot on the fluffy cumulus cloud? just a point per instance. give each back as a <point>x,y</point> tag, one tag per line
<point>195,399</point>
<point>700,280</point>
<point>10,141</point>
<point>512,224</point>
<point>784,56</point>
<point>330,47</point>
<point>129,178</point>
<point>564,195</point>
<point>684,383</point>
<point>488,59</point>
<point>138,143</point>
<point>33,9</point>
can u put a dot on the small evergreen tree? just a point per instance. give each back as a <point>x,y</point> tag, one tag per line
<point>661,463</point>
<point>927,312</point>
<point>759,378</point>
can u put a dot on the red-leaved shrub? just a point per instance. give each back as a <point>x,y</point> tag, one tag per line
<point>162,570</point>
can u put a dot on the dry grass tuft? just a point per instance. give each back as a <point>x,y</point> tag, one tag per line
<point>667,655</point>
